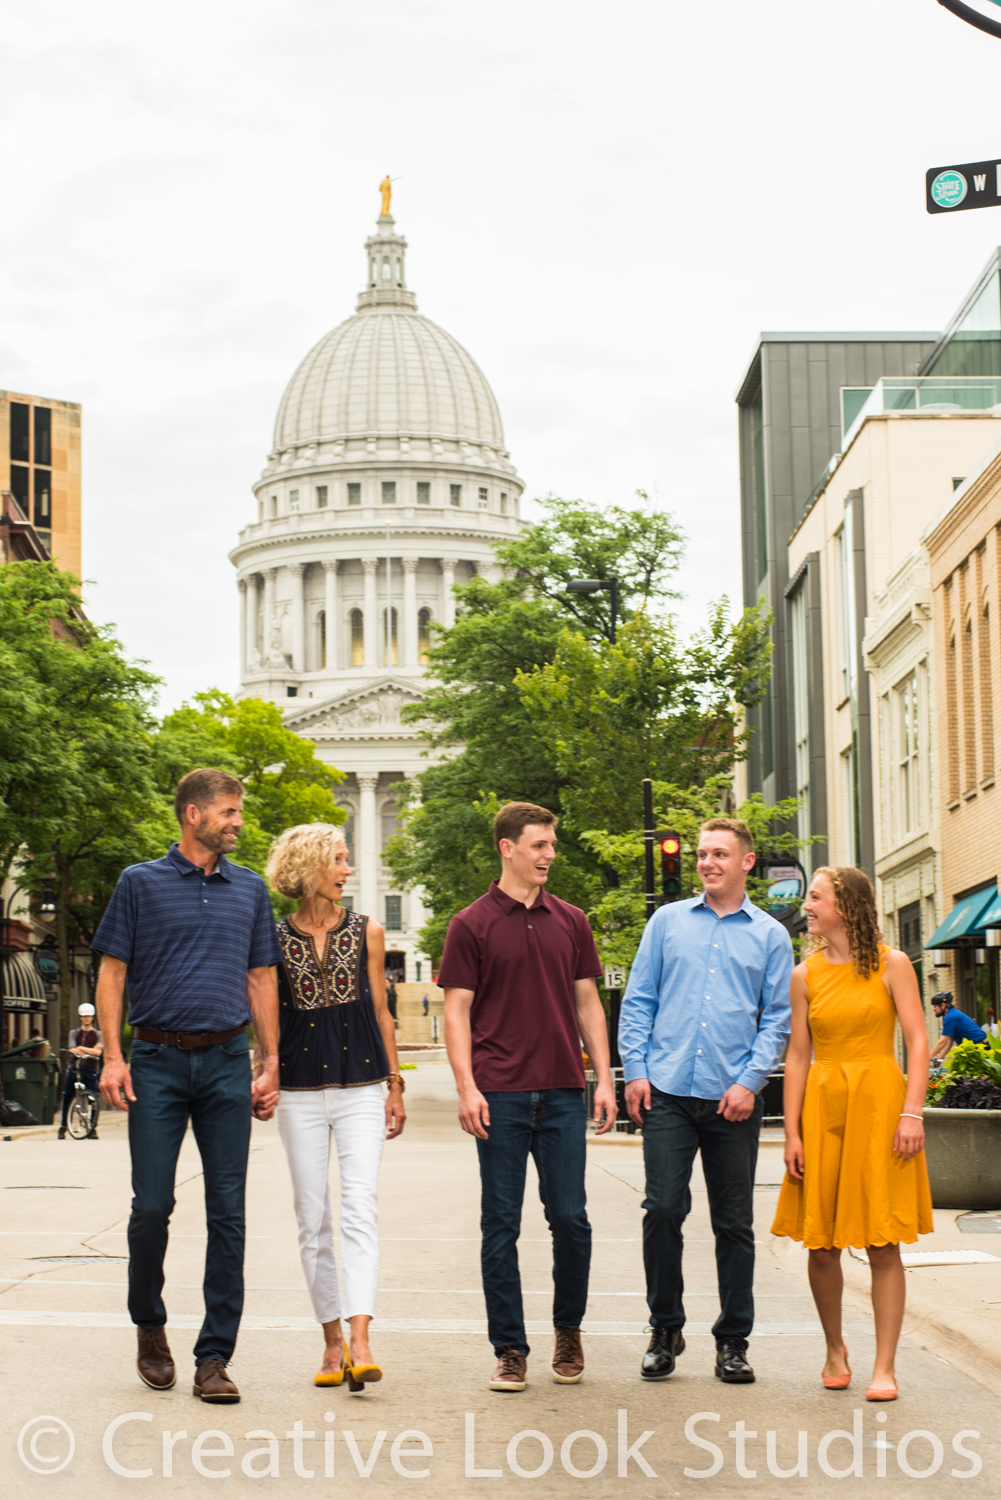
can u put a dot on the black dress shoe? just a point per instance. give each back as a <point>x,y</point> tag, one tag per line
<point>731,1363</point>
<point>665,1346</point>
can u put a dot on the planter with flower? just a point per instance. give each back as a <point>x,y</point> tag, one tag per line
<point>963,1127</point>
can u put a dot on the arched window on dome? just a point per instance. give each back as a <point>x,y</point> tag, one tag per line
<point>390,653</point>
<point>321,639</point>
<point>387,270</point>
<point>399,273</point>
<point>357,638</point>
<point>424,637</point>
<point>371,272</point>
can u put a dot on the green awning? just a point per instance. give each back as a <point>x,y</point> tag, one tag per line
<point>965,919</point>
<point>992,916</point>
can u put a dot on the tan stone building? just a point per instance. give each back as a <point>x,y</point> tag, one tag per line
<point>40,467</point>
<point>964,554</point>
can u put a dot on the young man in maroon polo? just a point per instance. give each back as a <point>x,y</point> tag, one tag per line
<point>520,995</point>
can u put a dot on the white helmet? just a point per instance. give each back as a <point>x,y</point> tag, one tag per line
<point>86,1009</point>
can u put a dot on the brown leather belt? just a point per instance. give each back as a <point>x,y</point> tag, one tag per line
<point>186,1040</point>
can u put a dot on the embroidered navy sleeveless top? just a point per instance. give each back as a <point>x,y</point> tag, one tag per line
<point>330,1037</point>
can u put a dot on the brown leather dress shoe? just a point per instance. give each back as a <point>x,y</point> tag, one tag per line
<point>154,1361</point>
<point>511,1372</point>
<point>213,1384</point>
<point>568,1357</point>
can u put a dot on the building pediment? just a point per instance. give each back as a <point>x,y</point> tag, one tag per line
<point>371,709</point>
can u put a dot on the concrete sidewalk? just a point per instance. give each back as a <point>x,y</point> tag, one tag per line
<point>67,1348</point>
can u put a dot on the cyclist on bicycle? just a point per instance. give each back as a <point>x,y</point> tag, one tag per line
<point>86,1044</point>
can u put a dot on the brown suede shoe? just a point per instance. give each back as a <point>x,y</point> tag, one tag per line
<point>154,1361</point>
<point>213,1384</point>
<point>568,1357</point>
<point>511,1372</point>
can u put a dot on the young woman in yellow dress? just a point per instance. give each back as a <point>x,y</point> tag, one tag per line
<point>854,1150</point>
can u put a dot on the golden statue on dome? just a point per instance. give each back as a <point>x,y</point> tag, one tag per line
<point>386,189</point>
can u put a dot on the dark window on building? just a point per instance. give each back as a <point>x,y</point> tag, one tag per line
<point>19,450</point>
<point>354,494</point>
<point>503,503</point>
<point>19,488</point>
<point>394,914</point>
<point>424,636</point>
<point>348,903</point>
<point>389,492</point>
<point>423,492</point>
<point>357,638</point>
<point>321,625</point>
<point>291,692</point>
<point>484,497</point>
<point>956,482</point>
<point>455,494</point>
<point>348,832</point>
<point>321,497</point>
<point>43,498</point>
<point>43,435</point>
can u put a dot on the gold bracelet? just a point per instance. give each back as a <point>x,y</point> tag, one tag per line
<point>398,1078</point>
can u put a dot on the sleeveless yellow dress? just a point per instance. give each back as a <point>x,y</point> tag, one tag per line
<point>854,1190</point>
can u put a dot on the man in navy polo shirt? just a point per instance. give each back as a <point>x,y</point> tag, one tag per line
<point>956,1027</point>
<point>518,973</point>
<point>195,938</point>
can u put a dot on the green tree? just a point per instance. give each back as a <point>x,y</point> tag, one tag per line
<point>610,715</point>
<point>80,802</point>
<point>473,714</point>
<point>285,782</point>
<point>619,915</point>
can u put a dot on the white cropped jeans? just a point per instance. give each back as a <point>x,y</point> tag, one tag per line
<point>357,1120</point>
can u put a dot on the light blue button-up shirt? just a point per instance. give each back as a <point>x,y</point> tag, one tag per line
<point>707,1004</point>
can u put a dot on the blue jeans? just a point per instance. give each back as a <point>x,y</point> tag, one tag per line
<point>550,1126</point>
<point>211,1085</point>
<point>675,1128</point>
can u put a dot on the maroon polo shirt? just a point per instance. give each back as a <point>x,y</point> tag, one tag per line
<point>521,962</point>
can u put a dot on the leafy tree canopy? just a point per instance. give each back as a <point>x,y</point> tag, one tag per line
<point>529,701</point>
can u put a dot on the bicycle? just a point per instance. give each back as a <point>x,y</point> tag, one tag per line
<point>85,1105</point>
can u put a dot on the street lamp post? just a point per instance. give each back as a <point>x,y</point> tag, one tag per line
<point>592,586</point>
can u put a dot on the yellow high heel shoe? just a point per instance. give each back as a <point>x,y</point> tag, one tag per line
<point>330,1377</point>
<point>359,1375</point>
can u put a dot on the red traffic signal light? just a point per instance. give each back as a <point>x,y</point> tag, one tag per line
<point>670,865</point>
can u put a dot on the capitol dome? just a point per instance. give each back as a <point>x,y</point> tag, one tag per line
<point>387,485</point>
<point>388,370</point>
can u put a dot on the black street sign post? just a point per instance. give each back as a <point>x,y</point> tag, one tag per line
<point>973,184</point>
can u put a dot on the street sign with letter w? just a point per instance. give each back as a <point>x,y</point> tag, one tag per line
<point>974,184</point>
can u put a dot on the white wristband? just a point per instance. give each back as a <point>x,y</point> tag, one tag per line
<point>905,1114</point>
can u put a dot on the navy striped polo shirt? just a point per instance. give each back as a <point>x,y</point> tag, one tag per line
<point>188,940</point>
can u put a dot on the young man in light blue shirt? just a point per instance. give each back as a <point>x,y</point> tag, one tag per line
<point>704,1020</point>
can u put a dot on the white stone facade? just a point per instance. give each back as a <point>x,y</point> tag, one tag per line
<point>387,485</point>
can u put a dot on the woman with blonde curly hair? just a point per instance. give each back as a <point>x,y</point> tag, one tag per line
<point>854,1149</point>
<point>337,1048</point>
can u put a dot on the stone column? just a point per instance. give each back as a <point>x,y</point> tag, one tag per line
<point>241,584</point>
<point>297,573</point>
<point>368,847</point>
<point>447,565</point>
<point>330,613</point>
<point>371,612</point>
<point>250,649</point>
<point>409,621</point>
<point>270,574</point>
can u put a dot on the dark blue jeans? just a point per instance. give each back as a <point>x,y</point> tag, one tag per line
<point>211,1085</point>
<point>550,1126</point>
<point>673,1131</point>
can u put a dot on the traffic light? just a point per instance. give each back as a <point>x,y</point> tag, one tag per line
<point>670,865</point>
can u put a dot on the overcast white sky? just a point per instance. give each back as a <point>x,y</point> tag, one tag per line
<point>605,202</point>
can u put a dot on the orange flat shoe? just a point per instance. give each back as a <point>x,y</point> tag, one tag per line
<point>882,1393</point>
<point>838,1382</point>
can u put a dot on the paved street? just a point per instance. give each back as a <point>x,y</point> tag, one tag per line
<point>67,1349</point>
